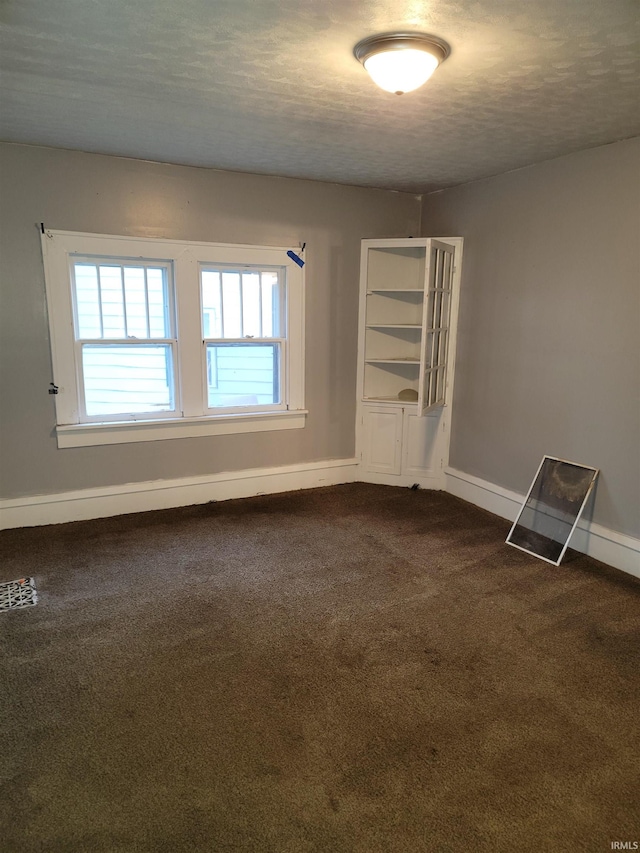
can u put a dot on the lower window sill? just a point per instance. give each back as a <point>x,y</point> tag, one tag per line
<point>90,435</point>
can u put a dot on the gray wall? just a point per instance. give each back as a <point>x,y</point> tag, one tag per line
<point>548,357</point>
<point>86,192</point>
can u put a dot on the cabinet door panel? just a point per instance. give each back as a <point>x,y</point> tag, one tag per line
<point>422,444</point>
<point>383,440</point>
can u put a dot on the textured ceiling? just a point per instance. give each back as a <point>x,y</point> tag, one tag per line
<point>271,86</point>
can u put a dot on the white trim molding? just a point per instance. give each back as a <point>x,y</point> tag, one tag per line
<point>164,494</point>
<point>608,546</point>
<point>615,549</point>
<point>88,435</point>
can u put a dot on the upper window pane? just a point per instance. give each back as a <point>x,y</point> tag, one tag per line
<point>270,288</point>
<point>251,312</point>
<point>112,302</point>
<point>135,293</point>
<point>231,305</point>
<point>117,301</point>
<point>211,304</point>
<point>241,303</point>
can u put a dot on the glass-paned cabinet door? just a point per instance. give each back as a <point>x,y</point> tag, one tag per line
<point>435,325</point>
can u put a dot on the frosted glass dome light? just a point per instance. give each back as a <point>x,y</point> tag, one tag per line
<point>401,62</point>
<point>401,71</point>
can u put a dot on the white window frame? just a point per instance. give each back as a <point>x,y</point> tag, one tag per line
<point>80,342</point>
<point>192,417</point>
<point>280,340</point>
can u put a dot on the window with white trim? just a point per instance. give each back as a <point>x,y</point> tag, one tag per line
<point>161,339</point>
<point>243,331</point>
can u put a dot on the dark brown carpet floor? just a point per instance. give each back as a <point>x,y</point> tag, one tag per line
<point>355,668</point>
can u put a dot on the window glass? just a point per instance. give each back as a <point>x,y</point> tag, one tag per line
<point>211,304</point>
<point>136,301</point>
<point>112,302</point>
<point>121,301</point>
<point>231,305</point>
<point>270,302</point>
<point>251,311</point>
<point>158,299</point>
<point>121,379</point>
<point>241,304</point>
<point>243,374</point>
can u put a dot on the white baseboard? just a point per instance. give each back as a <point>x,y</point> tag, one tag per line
<point>608,546</point>
<point>437,482</point>
<point>163,494</point>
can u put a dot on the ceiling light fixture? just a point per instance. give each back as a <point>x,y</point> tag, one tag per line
<point>401,62</point>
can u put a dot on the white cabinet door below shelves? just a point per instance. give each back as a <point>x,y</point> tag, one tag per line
<point>422,439</point>
<point>382,440</point>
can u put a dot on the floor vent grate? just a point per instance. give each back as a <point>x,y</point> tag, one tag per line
<point>16,594</point>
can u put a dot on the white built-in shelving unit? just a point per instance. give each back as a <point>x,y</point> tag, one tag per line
<point>408,302</point>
